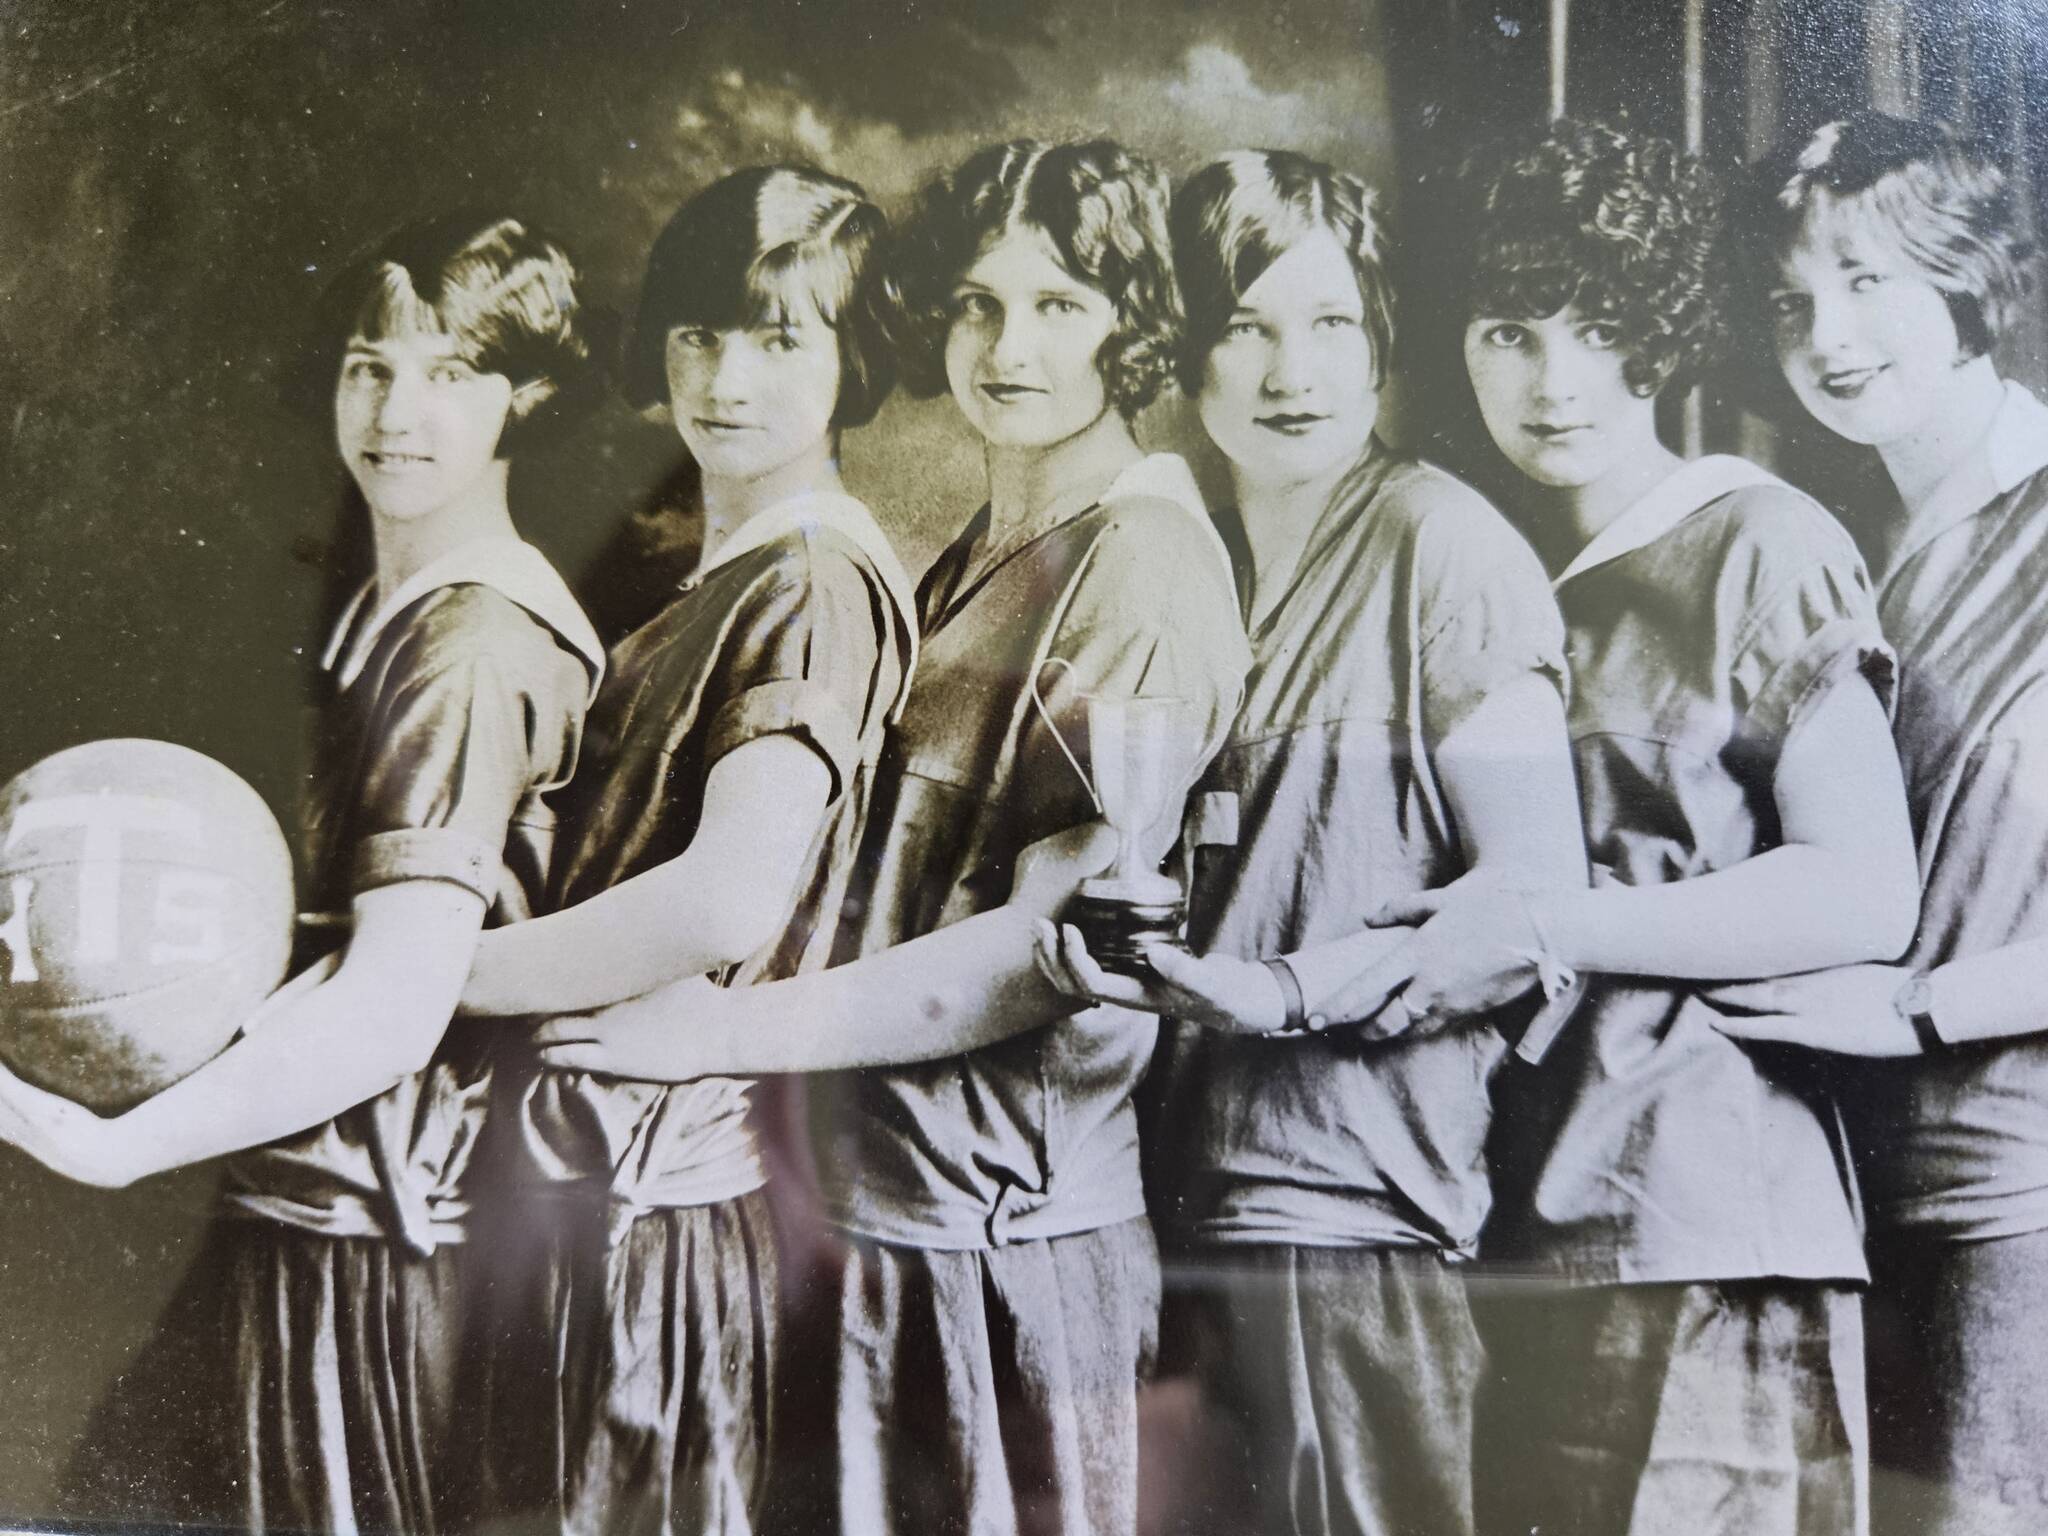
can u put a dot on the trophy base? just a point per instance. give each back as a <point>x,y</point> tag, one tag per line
<point>1119,930</point>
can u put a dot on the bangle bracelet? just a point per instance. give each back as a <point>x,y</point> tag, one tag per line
<point>1290,995</point>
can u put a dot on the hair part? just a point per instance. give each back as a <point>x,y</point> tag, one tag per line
<point>755,248</point>
<point>1245,210</point>
<point>1622,226</point>
<point>506,295</point>
<point>1919,189</point>
<point>1103,211</point>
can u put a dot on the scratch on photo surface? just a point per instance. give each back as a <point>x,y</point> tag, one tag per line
<point>65,95</point>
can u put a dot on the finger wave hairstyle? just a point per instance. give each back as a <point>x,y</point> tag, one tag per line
<point>1623,225</point>
<point>1241,213</point>
<point>503,291</point>
<point>1104,212</point>
<point>754,248</point>
<point>1918,189</point>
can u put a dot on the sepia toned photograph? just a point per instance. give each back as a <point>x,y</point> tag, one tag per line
<point>1024,767</point>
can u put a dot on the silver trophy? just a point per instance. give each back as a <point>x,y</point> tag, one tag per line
<point>1145,750</point>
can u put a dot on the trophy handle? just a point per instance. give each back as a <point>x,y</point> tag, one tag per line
<point>1046,715</point>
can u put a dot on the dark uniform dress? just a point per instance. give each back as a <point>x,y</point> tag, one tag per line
<point>1333,1183</point>
<point>1955,1147</point>
<point>1680,1206</point>
<point>635,1379</point>
<point>313,1373</point>
<point>1000,1298</point>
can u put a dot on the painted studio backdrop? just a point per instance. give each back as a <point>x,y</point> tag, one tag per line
<point>179,177</point>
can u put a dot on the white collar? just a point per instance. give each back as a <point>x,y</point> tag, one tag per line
<point>509,566</point>
<point>1166,477</point>
<point>1686,490</point>
<point>2013,447</point>
<point>850,518</point>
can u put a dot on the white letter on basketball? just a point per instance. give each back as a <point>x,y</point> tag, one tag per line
<point>103,819</point>
<point>188,900</point>
<point>21,960</point>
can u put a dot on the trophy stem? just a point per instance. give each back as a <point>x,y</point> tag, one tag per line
<point>1126,864</point>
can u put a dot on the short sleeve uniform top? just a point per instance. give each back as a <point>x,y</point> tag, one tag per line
<point>1414,599</point>
<point>1957,1145</point>
<point>1034,1137</point>
<point>1701,628</point>
<point>800,626</point>
<point>457,705</point>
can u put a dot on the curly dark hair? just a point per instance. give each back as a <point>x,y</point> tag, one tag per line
<point>1103,209</point>
<point>1618,224</point>
<point>1936,196</point>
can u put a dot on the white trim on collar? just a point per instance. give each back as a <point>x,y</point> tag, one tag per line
<point>2014,446</point>
<point>511,567</point>
<point>1166,477</point>
<point>849,517</point>
<point>1686,490</point>
<point>2019,438</point>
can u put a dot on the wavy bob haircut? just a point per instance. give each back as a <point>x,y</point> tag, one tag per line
<point>1620,225</point>
<point>754,248</point>
<point>1104,212</point>
<point>1917,189</point>
<point>503,291</point>
<point>1241,213</point>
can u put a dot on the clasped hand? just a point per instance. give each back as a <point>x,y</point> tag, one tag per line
<point>1473,948</point>
<point>1851,1010</point>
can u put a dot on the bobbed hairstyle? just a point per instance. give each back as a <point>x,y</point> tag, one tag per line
<point>1102,209</point>
<point>754,248</point>
<point>1622,225</point>
<point>1919,189</point>
<point>502,290</point>
<point>1241,213</point>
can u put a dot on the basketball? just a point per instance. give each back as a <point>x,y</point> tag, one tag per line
<point>145,910</point>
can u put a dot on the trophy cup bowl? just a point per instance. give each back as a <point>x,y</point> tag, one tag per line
<point>1144,751</point>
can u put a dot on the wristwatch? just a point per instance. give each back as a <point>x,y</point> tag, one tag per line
<point>1914,1002</point>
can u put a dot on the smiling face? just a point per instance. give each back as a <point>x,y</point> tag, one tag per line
<point>1554,397</point>
<point>1865,340</point>
<point>1288,391</point>
<point>417,426</point>
<point>755,401</point>
<point>1022,346</point>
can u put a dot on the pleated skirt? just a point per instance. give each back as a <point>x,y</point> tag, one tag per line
<point>630,1383</point>
<point>994,1392</point>
<point>296,1382</point>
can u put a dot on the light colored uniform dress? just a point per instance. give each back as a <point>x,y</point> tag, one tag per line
<point>1695,1362</point>
<point>634,1390</point>
<point>1001,1297</point>
<point>1956,1147</point>
<point>1334,1182</point>
<point>311,1374</point>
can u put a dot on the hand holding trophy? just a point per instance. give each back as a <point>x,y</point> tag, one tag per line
<point>1145,750</point>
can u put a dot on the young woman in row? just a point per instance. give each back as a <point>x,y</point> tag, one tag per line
<point>311,1375</point>
<point>1403,729</point>
<point>709,830</point>
<point>1696,1361</point>
<point>1001,1283</point>
<point>1889,259</point>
